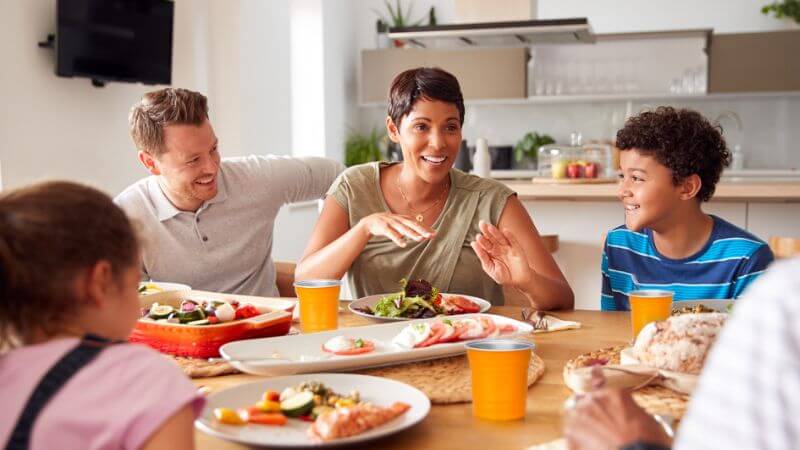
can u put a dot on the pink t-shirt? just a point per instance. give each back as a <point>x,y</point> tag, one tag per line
<point>116,401</point>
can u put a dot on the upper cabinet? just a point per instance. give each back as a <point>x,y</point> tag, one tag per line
<point>755,62</point>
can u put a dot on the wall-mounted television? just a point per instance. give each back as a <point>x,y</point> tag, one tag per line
<point>115,40</point>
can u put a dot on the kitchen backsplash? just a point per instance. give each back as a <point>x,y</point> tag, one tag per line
<point>769,137</point>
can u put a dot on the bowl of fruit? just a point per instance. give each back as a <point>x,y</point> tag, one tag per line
<point>198,323</point>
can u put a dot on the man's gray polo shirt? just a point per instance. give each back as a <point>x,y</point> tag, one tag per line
<point>226,245</point>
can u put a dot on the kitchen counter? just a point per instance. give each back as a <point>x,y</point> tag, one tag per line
<point>728,190</point>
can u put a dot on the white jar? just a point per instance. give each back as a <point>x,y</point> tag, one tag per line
<point>482,162</point>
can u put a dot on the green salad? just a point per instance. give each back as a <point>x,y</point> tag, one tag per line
<point>418,299</point>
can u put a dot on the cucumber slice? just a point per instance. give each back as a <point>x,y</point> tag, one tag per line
<point>191,316</point>
<point>298,405</point>
<point>199,322</point>
<point>160,311</point>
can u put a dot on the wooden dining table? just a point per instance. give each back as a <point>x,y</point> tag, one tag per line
<point>453,426</point>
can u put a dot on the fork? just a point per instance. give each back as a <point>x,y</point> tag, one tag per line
<point>536,318</point>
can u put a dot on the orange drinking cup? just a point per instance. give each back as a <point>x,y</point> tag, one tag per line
<point>649,306</point>
<point>319,304</point>
<point>499,370</point>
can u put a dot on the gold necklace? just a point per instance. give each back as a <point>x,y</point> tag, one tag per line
<point>420,215</point>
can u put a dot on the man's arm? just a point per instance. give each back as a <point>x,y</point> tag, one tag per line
<point>308,178</point>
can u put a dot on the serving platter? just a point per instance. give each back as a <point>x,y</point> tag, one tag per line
<point>303,353</point>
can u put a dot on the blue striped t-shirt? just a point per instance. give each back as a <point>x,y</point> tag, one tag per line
<point>731,259</point>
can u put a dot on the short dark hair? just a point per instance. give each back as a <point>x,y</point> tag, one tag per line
<point>161,108</point>
<point>48,233</point>
<point>431,83</point>
<point>682,140</point>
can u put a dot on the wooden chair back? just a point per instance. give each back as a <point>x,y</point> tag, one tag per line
<point>784,247</point>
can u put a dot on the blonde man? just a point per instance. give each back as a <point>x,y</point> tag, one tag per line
<point>207,221</point>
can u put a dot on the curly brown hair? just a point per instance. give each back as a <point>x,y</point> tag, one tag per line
<point>683,141</point>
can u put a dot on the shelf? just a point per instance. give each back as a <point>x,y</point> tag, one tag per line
<point>525,32</point>
<point>609,98</point>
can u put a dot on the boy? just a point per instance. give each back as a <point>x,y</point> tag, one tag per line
<point>671,160</point>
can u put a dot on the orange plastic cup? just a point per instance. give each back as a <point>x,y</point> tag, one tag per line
<point>649,306</point>
<point>319,304</point>
<point>499,370</point>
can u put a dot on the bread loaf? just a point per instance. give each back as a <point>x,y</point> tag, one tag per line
<point>679,343</point>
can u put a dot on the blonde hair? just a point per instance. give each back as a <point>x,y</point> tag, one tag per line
<point>164,107</point>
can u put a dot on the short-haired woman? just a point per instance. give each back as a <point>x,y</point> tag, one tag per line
<point>421,218</point>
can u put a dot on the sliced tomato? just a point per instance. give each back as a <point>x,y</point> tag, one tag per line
<point>246,311</point>
<point>507,328</point>
<point>437,330</point>
<point>450,333</point>
<point>267,419</point>
<point>461,304</point>
<point>437,302</point>
<point>366,347</point>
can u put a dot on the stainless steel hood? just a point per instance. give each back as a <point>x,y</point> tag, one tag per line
<point>525,32</point>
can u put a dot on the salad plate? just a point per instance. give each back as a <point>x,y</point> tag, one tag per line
<point>700,306</point>
<point>305,353</point>
<point>363,304</point>
<point>376,390</point>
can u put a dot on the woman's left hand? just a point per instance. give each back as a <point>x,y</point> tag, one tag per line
<point>502,257</point>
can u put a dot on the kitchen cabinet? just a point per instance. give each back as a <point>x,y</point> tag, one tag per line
<point>755,62</point>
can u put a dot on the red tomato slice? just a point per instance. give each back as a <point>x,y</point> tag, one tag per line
<point>437,330</point>
<point>268,419</point>
<point>367,347</point>
<point>507,328</point>
<point>450,334</point>
<point>462,304</point>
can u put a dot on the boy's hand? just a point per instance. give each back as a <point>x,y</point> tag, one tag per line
<point>501,256</point>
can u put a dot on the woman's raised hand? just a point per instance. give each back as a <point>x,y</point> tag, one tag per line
<point>396,227</point>
<point>502,257</point>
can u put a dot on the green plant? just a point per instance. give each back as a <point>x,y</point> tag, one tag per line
<point>359,148</point>
<point>397,17</point>
<point>530,143</point>
<point>783,9</point>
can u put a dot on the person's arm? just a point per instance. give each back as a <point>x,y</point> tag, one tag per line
<point>309,178</point>
<point>516,256</point>
<point>177,433</point>
<point>334,246</point>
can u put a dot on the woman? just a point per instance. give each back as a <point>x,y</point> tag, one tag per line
<point>387,221</point>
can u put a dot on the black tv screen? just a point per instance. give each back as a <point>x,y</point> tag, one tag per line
<point>115,40</point>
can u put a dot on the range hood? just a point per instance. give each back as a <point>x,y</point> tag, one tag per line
<point>524,32</point>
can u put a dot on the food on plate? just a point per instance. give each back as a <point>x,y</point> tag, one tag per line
<point>696,309</point>
<point>425,334</point>
<point>341,345</point>
<point>149,288</point>
<point>419,300</point>
<point>353,420</point>
<point>307,401</point>
<point>679,343</point>
<point>192,312</point>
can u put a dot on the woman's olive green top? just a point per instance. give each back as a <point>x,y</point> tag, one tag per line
<point>447,261</point>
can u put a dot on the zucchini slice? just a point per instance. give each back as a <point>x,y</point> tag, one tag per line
<point>298,404</point>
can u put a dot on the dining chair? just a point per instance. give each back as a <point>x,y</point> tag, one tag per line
<point>784,247</point>
<point>284,278</point>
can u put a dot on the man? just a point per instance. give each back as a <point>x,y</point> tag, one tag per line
<point>206,221</point>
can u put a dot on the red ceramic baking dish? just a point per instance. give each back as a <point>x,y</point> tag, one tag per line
<point>204,341</point>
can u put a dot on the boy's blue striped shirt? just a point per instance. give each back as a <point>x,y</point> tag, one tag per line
<point>726,265</point>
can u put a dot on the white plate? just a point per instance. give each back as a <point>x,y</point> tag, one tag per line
<point>165,287</point>
<point>373,299</point>
<point>716,305</point>
<point>380,391</point>
<point>302,353</point>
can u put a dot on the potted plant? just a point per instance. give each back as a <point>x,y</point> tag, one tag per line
<point>359,148</point>
<point>783,9</point>
<point>397,17</point>
<point>526,148</point>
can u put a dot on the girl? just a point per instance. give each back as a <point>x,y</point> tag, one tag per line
<point>68,295</point>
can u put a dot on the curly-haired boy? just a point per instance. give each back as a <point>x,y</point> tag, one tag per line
<point>671,160</point>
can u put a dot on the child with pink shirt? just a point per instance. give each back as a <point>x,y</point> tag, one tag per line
<point>69,272</point>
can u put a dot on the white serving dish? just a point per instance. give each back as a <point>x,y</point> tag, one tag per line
<point>303,353</point>
<point>373,299</point>
<point>380,391</point>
